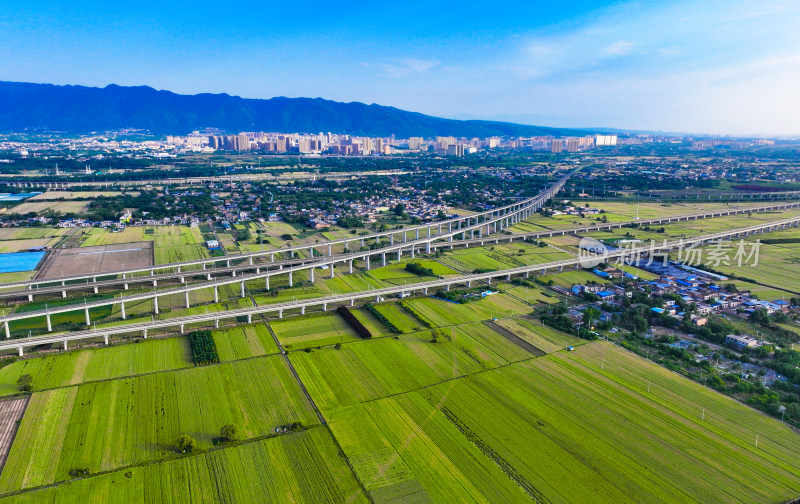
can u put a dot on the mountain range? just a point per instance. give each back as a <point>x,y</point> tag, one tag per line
<point>80,109</point>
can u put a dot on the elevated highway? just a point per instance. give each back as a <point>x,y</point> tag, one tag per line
<point>494,220</point>
<point>57,287</point>
<point>323,302</point>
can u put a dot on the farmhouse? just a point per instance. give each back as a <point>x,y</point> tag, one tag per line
<point>742,341</point>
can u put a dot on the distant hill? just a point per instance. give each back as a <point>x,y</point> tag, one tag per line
<point>83,109</point>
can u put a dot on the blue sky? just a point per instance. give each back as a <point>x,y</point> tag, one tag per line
<point>728,67</point>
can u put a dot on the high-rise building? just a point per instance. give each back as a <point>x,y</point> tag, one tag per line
<point>556,146</point>
<point>415,143</point>
<point>455,150</point>
<point>242,142</point>
<point>605,140</point>
<point>442,143</point>
<point>573,144</point>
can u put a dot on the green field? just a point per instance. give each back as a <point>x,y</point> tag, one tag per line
<point>366,370</point>
<point>399,317</point>
<point>571,407</point>
<point>72,368</point>
<point>300,467</point>
<point>111,424</point>
<point>297,333</point>
<point>443,313</point>
<point>170,243</point>
<point>404,450</point>
<point>244,342</point>
<point>544,338</point>
<point>502,256</point>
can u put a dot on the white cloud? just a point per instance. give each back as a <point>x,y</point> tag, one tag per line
<point>404,67</point>
<point>620,48</point>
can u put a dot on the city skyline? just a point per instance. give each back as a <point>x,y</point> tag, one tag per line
<point>696,67</point>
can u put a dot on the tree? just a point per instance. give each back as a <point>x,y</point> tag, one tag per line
<point>186,444</point>
<point>229,432</point>
<point>399,209</point>
<point>589,314</point>
<point>25,383</point>
<point>760,316</point>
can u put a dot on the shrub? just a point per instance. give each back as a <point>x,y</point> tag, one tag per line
<point>417,269</point>
<point>354,322</point>
<point>25,383</point>
<point>186,444</point>
<point>229,432</point>
<point>204,350</point>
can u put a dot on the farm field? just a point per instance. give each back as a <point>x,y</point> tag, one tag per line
<point>170,243</point>
<point>97,259</point>
<point>366,370</point>
<point>529,294</point>
<point>399,317</point>
<point>33,233</point>
<point>616,211</point>
<point>72,368</point>
<point>7,246</point>
<point>112,424</point>
<point>299,467</point>
<point>244,342</point>
<point>666,451</point>
<point>298,333</point>
<point>56,206</point>
<point>443,313</point>
<point>544,338</point>
<point>404,450</point>
<point>497,257</point>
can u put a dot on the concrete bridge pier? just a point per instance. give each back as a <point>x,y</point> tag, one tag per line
<point>383,259</point>
<point>333,272</point>
<point>249,318</point>
<point>216,294</point>
<point>302,310</point>
<point>155,307</point>
<point>280,313</point>
<point>324,306</point>
<point>266,282</point>
<point>291,283</point>
<point>366,261</point>
<point>311,273</point>
<point>122,310</point>
<point>20,350</point>
<point>86,312</point>
<point>63,294</point>
<point>30,298</point>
